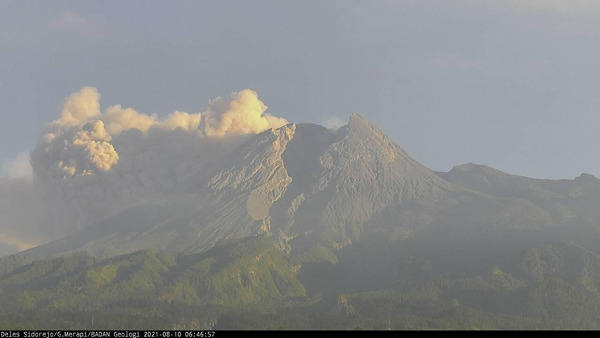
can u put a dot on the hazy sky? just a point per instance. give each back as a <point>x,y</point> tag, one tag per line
<point>514,84</point>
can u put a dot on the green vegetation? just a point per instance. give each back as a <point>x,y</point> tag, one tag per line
<point>250,284</point>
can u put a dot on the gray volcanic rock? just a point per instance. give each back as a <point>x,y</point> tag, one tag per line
<point>341,179</point>
<point>229,202</point>
<point>299,181</point>
<point>306,185</point>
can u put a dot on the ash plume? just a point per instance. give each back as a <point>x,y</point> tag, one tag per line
<point>91,162</point>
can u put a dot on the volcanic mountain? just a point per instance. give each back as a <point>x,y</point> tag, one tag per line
<point>307,227</point>
<point>301,182</point>
<point>306,185</point>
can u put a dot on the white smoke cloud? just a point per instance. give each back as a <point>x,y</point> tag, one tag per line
<point>183,120</point>
<point>241,114</point>
<point>90,163</point>
<point>333,122</point>
<point>118,119</point>
<point>75,151</point>
<point>79,108</point>
<point>79,141</point>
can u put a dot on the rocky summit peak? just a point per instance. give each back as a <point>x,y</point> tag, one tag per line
<point>357,118</point>
<point>303,182</point>
<point>287,130</point>
<point>358,123</point>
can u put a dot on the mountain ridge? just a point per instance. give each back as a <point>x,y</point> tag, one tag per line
<point>306,185</point>
<point>311,228</point>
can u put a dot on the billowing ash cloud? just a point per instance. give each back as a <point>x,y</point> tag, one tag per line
<point>79,108</point>
<point>79,141</point>
<point>75,151</point>
<point>90,163</point>
<point>243,113</point>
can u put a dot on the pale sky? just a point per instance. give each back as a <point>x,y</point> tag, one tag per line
<point>514,84</point>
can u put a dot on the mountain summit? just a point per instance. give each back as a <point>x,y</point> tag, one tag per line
<point>301,183</point>
<point>341,179</point>
<point>307,227</point>
<point>305,185</point>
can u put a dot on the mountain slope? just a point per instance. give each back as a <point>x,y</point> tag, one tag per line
<point>252,284</point>
<point>570,206</point>
<point>497,183</point>
<point>213,209</point>
<point>306,185</point>
<point>353,174</point>
<point>305,227</point>
<point>243,272</point>
<point>303,181</point>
